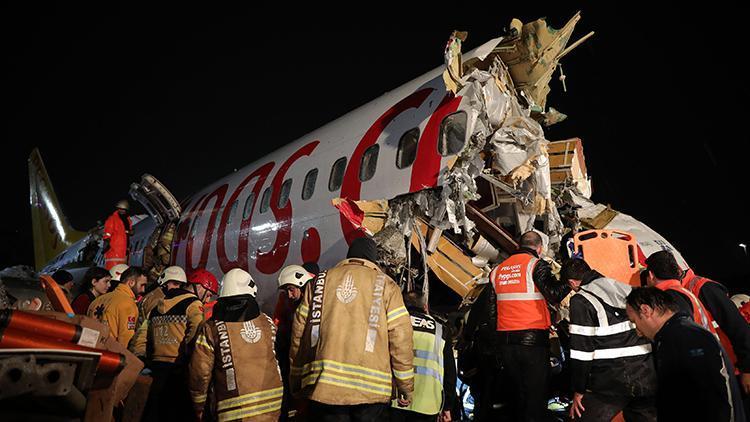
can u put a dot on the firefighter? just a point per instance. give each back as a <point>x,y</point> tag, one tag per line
<point>664,273</point>
<point>434,367</point>
<point>352,340</point>
<point>117,308</point>
<point>733,330</point>
<point>524,285</point>
<point>612,369</point>
<point>693,371</point>
<point>169,330</point>
<point>149,301</point>
<point>205,286</point>
<point>292,282</point>
<point>234,354</point>
<point>117,228</point>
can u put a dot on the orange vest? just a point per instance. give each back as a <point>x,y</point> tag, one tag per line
<point>520,305</point>
<point>700,315</point>
<point>694,283</point>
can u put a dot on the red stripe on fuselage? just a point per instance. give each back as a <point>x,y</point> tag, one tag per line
<point>351,187</point>
<point>426,168</point>
<point>272,261</point>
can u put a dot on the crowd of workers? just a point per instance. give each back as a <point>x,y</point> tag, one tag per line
<point>347,344</point>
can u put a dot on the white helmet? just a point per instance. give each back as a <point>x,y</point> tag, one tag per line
<point>740,299</point>
<point>173,273</point>
<point>238,282</point>
<point>117,270</point>
<point>122,204</point>
<point>295,275</point>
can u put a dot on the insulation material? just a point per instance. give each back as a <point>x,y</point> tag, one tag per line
<point>367,215</point>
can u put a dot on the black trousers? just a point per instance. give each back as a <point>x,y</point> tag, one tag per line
<point>483,388</point>
<point>399,415</point>
<point>168,398</point>
<point>370,412</point>
<point>525,376</point>
<point>601,407</point>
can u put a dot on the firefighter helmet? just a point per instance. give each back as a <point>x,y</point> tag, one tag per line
<point>295,275</point>
<point>173,273</point>
<point>117,270</point>
<point>238,282</point>
<point>204,278</point>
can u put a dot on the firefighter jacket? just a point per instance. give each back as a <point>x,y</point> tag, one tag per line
<point>118,310</point>
<point>733,330</point>
<point>434,366</point>
<point>351,338</point>
<point>524,285</point>
<point>607,355</point>
<point>145,306</point>
<point>237,358</point>
<point>116,232</point>
<point>170,327</point>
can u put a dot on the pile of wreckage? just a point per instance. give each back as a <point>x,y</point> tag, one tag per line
<point>507,180</point>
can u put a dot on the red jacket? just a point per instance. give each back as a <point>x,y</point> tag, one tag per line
<point>117,233</point>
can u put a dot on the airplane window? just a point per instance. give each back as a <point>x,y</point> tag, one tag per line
<point>248,206</point>
<point>369,163</point>
<point>337,174</point>
<point>265,201</point>
<point>452,134</point>
<point>286,187</point>
<point>232,211</point>
<point>407,148</point>
<point>308,188</point>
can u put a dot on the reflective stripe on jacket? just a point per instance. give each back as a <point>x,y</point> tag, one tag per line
<point>700,314</point>
<point>520,304</point>
<point>351,338</point>
<point>428,365</point>
<point>238,360</point>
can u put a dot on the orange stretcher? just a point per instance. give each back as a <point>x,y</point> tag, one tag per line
<point>613,253</point>
<point>56,295</point>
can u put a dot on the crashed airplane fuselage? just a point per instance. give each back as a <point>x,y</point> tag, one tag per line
<point>453,162</point>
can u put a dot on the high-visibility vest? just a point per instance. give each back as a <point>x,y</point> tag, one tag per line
<point>700,315</point>
<point>428,366</point>
<point>694,283</point>
<point>520,305</point>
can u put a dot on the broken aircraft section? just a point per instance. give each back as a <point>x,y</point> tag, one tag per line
<point>507,179</point>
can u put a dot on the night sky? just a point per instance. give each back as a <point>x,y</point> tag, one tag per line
<point>189,95</point>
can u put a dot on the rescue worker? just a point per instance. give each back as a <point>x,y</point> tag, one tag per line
<point>352,340</point>
<point>117,228</point>
<point>117,308</point>
<point>434,367</point>
<point>170,328</point>
<point>664,273</point>
<point>525,285</point>
<point>480,358</point>
<point>733,330</point>
<point>234,354</point>
<point>149,302</point>
<point>204,285</point>
<point>94,284</point>
<point>693,371</point>
<point>612,369</point>
<point>292,282</point>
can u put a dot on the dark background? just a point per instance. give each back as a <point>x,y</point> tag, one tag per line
<point>189,94</point>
